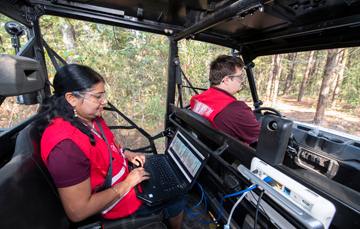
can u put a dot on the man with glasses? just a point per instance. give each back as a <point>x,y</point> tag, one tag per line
<point>220,107</point>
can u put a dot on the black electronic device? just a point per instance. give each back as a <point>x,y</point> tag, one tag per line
<point>174,173</point>
<point>273,140</point>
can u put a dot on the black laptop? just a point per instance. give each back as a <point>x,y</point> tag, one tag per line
<point>174,173</point>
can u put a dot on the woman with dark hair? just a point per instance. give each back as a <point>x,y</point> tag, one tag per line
<point>77,155</point>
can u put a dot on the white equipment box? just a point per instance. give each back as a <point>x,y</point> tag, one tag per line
<point>312,210</point>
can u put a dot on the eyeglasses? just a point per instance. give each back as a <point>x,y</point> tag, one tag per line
<point>241,77</point>
<point>94,97</point>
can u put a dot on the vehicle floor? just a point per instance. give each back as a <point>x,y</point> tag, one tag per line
<point>191,223</point>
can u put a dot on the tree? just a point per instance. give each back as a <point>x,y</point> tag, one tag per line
<point>340,77</point>
<point>69,39</point>
<point>259,80</point>
<point>306,76</point>
<point>270,81</point>
<point>277,73</point>
<point>325,86</point>
<point>1,44</point>
<point>313,88</point>
<point>290,76</point>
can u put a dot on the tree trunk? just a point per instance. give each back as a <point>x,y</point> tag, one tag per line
<point>325,86</point>
<point>1,44</point>
<point>259,80</point>
<point>336,71</point>
<point>313,70</point>
<point>271,76</point>
<point>68,32</point>
<point>314,74</point>
<point>306,76</point>
<point>291,65</point>
<point>340,77</point>
<point>277,73</point>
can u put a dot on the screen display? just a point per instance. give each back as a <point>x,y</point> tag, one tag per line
<point>186,156</point>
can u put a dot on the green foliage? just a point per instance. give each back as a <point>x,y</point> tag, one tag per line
<point>351,85</point>
<point>195,58</point>
<point>133,64</point>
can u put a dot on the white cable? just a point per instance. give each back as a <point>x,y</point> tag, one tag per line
<point>227,226</point>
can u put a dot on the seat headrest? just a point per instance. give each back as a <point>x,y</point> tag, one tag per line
<point>198,117</point>
<point>28,142</point>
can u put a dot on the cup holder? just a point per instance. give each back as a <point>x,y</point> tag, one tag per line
<point>311,140</point>
<point>356,144</point>
<point>333,146</point>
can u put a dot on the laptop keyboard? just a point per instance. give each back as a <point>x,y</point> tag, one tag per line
<point>164,174</point>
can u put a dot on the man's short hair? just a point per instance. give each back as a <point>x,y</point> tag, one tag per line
<point>223,66</point>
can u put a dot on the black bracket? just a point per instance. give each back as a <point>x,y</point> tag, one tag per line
<point>169,132</point>
<point>221,149</point>
<point>258,104</point>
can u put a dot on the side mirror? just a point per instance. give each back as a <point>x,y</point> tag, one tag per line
<point>20,75</point>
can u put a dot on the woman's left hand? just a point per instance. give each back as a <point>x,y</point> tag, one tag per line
<point>135,158</point>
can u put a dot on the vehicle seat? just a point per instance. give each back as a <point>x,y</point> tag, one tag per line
<point>198,117</point>
<point>29,198</point>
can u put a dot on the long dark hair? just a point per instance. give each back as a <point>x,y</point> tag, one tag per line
<point>69,78</point>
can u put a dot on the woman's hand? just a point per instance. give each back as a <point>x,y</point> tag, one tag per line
<point>136,176</point>
<point>135,158</point>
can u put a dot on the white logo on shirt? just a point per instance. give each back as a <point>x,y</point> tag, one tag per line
<point>202,109</point>
<point>113,148</point>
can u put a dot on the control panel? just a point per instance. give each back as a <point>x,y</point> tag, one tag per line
<point>318,163</point>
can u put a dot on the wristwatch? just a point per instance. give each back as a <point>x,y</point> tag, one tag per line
<point>125,148</point>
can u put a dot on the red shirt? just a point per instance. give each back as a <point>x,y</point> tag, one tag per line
<point>238,120</point>
<point>67,164</point>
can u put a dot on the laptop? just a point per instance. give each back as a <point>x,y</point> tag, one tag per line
<point>173,173</point>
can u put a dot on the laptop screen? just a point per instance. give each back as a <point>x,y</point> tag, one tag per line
<point>186,156</point>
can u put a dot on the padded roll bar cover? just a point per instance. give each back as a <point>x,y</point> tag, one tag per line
<point>273,139</point>
<point>20,75</point>
<point>198,117</point>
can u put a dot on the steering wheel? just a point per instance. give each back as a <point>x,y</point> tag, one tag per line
<point>269,109</point>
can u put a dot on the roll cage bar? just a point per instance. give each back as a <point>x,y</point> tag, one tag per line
<point>251,27</point>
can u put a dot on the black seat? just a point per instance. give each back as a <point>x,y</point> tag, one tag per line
<point>29,198</point>
<point>198,117</point>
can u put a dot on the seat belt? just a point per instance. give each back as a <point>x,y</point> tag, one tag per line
<point>108,178</point>
<point>52,54</point>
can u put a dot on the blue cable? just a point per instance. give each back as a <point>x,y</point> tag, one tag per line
<point>202,197</point>
<point>267,179</point>
<point>234,194</point>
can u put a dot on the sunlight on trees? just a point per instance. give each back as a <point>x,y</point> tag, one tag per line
<point>135,64</point>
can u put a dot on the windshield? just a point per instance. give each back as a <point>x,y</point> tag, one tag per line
<point>292,83</point>
<point>318,87</point>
